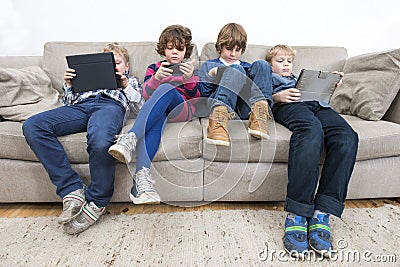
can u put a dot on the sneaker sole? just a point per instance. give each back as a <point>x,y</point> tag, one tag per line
<point>217,142</point>
<point>323,253</point>
<point>118,155</point>
<point>146,199</point>
<point>258,134</point>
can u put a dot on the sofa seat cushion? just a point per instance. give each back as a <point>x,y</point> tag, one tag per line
<point>179,141</point>
<point>377,139</point>
<point>245,148</point>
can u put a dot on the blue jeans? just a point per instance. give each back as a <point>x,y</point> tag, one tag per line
<point>165,103</point>
<point>102,118</point>
<point>314,128</point>
<point>238,90</point>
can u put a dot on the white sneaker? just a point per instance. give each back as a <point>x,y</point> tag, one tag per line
<point>72,205</point>
<point>123,148</point>
<point>88,216</point>
<point>143,191</point>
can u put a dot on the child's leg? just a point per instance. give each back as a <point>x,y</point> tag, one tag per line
<point>341,144</point>
<point>306,145</point>
<point>163,101</point>
<point>231,84</point>
<point>41,132</point>
<point>147,147</point>
<point>105,121</point>
<point>260,73</point>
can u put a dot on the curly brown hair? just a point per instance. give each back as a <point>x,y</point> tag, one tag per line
<point>179,36</point>
<point>231,35</point>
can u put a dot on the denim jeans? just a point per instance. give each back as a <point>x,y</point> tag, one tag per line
<point>165,103</point>
<point>314,128</point>
<point>238,90</point>
<point>102,118</point>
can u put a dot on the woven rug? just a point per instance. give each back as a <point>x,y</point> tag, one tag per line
<point>363,237</point>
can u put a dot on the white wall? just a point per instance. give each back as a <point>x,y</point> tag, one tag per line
<point>360,26</point>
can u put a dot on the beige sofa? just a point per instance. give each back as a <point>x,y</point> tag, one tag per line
<point>185,168</point>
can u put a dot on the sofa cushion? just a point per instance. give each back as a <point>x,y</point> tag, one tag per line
<point>25,92</point>
<point>309,57</point>
<point>179,141</point>
<point>245,148</point>
<point>376,141</point>
<point>141,55</point>
<point>370,84</point>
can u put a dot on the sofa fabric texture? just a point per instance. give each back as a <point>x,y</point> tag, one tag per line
<point>185,168</point>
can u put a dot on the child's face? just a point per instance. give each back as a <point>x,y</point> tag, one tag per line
<point>173,55</point>
<point>231,55</point>
<point>282,64</point>
<point>120,63</point>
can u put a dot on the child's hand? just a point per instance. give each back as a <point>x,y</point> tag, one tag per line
<point>124,80</point>
<point>341,75</point>
<point>163,71</point>
<point>68,76</point>
<point>187,69</point>
<point>213,72</point>
<point>287,96</point>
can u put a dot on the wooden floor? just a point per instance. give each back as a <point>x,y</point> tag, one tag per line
<point>11,210</point>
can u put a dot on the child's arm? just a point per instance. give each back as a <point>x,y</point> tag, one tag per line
<point>68,93</point>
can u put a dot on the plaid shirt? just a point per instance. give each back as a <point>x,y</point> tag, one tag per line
<point>130,97</point>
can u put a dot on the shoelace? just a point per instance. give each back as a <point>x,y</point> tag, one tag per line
<point>127,140</point>
<point>143,181</point>
<point>222,118</point>
<point>262,113</point>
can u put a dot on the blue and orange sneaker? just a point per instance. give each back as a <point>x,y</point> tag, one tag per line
<point>319,234</point>
<point>295,240</point>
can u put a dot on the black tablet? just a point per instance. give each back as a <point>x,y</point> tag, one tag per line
<point>93,71</point>
<point>317,85</point>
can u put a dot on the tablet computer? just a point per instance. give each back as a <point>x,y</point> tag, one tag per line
<point>317,85</point>
<point>93,71</point>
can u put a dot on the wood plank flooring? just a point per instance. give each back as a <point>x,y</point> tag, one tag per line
<point>11,210</point>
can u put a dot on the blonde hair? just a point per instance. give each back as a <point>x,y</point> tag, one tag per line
<point>273,51</point>
<point>231,35</point>
<point>117,48</point>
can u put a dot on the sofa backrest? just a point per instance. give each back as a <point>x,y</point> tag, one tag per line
<point>309,57</point>
<point>141,55</point>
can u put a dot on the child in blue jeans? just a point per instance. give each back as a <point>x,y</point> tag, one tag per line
<point>101,114</point>
<point>235,86</point>
<point>167,93</point>
<point>315,126</point>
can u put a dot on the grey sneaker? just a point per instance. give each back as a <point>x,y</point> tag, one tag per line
<point>72,205</point>
<point>89,215</point>
<point>143,191</point>
<point>123,148</point>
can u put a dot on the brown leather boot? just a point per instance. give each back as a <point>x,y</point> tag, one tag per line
<point>258,120</point>
<point>217,131</point>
